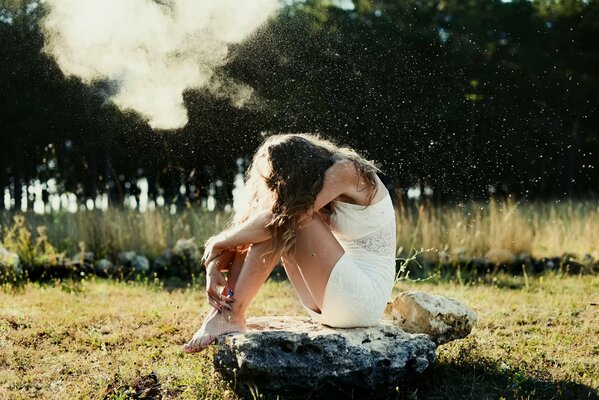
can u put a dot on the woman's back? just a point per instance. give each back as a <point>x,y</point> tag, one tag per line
<point>365,232</point>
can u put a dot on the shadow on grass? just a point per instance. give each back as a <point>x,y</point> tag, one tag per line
<point>486,379</point>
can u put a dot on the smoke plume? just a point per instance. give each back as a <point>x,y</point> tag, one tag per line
<point>152,50</point>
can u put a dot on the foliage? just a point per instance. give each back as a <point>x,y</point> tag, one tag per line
<point>458,95</point>
<point>18,239</point>
<point>468,239</point>
<point>109,338</point>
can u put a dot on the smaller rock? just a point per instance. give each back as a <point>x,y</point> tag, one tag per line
<point>9,261</point>
<point>571,264</point>
<point>187,249</point>
<point>125,258</point>
<point>85,258</point>
<point>140,264</point>
<point>524,258</point>
<point>163,262</point>
<point>480,263</point>
<point>186,258</point>
<point>105,267</point>
<point>442,318</point>
<point>460,254</point>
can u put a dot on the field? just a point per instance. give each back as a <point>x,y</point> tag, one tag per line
<point>537,337</point>
<point>539,229</point>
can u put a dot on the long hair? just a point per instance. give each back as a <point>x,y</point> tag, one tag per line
<point>286,174</point>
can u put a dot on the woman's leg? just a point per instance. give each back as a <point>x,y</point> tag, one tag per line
<point>248,276</point>
<point>317,252</point>
<point>235,260</point>
<point>235,269</point>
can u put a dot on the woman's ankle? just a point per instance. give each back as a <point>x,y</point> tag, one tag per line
<point>233,317</point>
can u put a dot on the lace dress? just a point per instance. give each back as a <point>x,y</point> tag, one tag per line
<point>361,282</point>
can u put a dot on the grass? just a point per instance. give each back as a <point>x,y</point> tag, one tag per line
<point>542,229</point>
<point>116,340</point>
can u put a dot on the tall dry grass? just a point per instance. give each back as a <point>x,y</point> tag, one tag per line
<point>541,229</point>
<point>107,233</point>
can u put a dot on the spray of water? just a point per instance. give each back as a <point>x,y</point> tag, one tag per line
<point>152,50</point>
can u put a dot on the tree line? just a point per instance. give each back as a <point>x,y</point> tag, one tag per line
<point>467,98</point>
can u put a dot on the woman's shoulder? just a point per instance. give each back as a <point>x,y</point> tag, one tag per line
<point>356,188</point>
<point>343,169</point>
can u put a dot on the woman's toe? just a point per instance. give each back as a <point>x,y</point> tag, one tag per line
<point>193,347</point>
<point>209,340</point>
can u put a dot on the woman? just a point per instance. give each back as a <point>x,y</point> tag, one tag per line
<point>325,213</point>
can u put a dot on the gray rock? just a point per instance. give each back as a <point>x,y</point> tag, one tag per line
<point>186,256</point>
<point>186,249</point>
<point>481,263</point>
<point>125,258</point>
<point>163,262</point>
<point>140,264</point>
<point>294,356</point>
<point>85,258</point>
<point>442,318</point>
<point>460,254</point>
<point>104,266</point>
<point>9,262</point>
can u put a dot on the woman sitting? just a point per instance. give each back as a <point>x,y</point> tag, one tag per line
<point>322,210</point>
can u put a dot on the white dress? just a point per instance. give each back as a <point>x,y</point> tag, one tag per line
<point>361,282</point>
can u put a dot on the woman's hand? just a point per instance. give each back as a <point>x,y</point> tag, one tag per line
<point>214,280</point>
<point>215,247</point>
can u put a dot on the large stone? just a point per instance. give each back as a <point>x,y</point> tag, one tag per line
<point>163,262</point>
<point>140,264</point>
<point>80,259</point>
<point>187,249</point>
<point>125,258</point>
<point>294,356</point>
<point>186,257</point>
<point>442,318</point>
<point>105,267</point>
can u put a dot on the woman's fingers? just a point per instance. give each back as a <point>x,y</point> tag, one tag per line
<point>218,304</point>
<point>214,280</point>
<point>218,301</point>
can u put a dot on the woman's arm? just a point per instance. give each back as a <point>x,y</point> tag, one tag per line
<point>249,232</point>
<point>339,179</point>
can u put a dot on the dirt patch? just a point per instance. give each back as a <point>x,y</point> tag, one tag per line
<point>144,387</point>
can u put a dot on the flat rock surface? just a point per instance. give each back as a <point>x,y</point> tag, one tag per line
<point>293,357</point>
<point>443,318</point>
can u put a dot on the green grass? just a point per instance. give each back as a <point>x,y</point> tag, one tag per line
<point>105,339</point>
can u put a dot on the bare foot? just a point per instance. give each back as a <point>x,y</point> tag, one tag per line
<point>214,326</point>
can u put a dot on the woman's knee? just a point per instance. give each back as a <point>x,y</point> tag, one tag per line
<point>317,230</point>
<point>265,253</point>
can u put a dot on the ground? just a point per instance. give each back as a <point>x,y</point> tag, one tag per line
<point>537,338</point>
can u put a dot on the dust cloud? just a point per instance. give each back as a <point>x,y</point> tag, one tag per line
<point>152,51</point>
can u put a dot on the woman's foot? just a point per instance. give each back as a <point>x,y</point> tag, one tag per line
<point>214,326</point>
